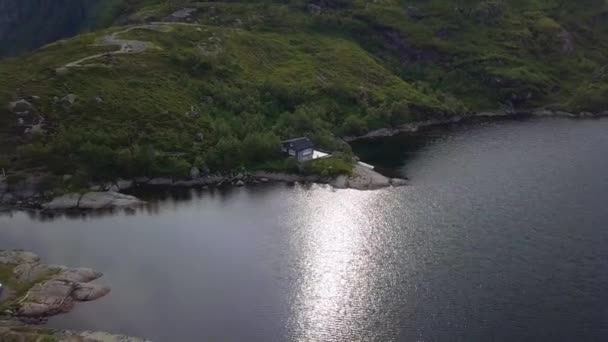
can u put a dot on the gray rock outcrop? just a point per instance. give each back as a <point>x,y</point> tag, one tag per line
<point>92,201</point>
<point>108,199</point>
<point>51,289</point>
<point>67,201</point>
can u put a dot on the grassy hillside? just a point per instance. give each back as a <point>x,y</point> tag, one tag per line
<point>220,91</point>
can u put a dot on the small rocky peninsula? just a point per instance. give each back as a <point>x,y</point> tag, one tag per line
<point>33,291</point>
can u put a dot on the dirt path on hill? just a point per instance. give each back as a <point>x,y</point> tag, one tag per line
<point>125,46</point>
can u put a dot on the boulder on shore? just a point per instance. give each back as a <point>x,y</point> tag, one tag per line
<point>108,199</point>
<point>67,201</point>
<point>92,200</point>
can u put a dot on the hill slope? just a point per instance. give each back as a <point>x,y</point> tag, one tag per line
<point>217,84</point>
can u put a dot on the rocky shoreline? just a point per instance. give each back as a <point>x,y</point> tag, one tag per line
<point>110,195</point>
<point>489,115</point>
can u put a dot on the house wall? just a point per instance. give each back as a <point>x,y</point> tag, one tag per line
<point>306,154</point>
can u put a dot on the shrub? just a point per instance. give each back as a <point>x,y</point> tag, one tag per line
<point>354,125</point>
<point>329,167</point>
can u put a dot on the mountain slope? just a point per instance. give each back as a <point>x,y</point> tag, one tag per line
<point>217,84</point>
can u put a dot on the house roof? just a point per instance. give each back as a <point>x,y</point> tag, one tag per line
<point>298,144</point>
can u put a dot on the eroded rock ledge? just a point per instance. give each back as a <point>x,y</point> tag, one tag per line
<point>34,291</point>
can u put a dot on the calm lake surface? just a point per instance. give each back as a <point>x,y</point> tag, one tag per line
<point>502,236</point>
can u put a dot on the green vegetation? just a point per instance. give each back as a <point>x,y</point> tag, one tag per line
<point>330,167</point>
<point>222,94</point>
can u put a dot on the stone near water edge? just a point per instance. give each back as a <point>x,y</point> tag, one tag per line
<point>161,181</point>
<point>108,199</point>
<point>7,198</point>
<point>543,112</point>
<point>397,182</point>
<point>240,183</point>
<point>80,274</point>
<point>565,114</point>
<point>64,202</point>
<point>89,292</point>
<point>124,184</point>
<point>340,182</point>
<point>142,180</point>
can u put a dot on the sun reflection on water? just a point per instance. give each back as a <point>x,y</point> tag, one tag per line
<point>335,256</point>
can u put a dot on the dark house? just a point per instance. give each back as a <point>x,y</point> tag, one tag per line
<point>300,148</point>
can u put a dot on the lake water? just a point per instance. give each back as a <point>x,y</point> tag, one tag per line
<point>502,236</point>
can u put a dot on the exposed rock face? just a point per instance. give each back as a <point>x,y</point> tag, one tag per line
<point>51,289</point>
